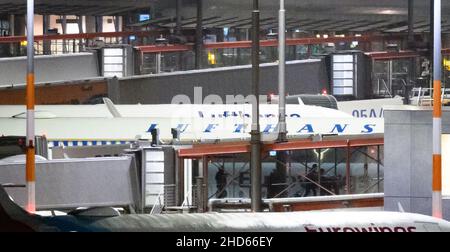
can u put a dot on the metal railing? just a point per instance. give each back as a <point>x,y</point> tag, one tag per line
<point>383,89</point>
<point>165,198</point>
<point>71,43</point>
<point>158,206</point>
<point>423,96</point>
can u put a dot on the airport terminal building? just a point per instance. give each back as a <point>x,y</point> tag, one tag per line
<point>157,111</point>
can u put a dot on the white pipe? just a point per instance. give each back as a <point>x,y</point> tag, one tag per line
<point>30,163</point>
<point>437,114</point>
<point>282,72</point>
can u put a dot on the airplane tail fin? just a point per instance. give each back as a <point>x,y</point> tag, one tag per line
<point>12,217</point>
<point>400,207</point>
<point>111,107</point>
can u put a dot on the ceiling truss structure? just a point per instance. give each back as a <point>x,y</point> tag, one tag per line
<point>358,16</point>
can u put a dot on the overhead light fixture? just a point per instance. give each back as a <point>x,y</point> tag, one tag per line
<point>161,40</point>
<point>272,35</point>
<point>392,11</point>
<point>354,44</point>
<point>388,12</point>
<point>392,47</point>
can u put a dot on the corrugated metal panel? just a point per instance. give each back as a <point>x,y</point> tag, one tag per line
<point>76,182</point>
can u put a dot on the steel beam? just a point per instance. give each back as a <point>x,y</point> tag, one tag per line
<point>199,35</point>
<point>437,113</point>
<point>18,39</point>
<point>30,100</point>
<point>282,73</point>
<point>255,160</point>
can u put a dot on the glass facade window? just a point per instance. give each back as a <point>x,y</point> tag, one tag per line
<point>343,91</point>
<point>343,74</point>
<point>289,178</point>
<point>343,67</point>
<point>113,62</point>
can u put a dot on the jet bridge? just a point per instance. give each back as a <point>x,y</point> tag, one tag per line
<point>73,183</point>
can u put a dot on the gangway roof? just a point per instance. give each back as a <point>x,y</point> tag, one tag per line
<point>200,150</point>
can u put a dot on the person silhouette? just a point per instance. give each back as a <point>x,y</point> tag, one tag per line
<point>310,186</point>
<point>221,183</point>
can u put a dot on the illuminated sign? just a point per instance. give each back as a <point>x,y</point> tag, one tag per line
<point>446,64</point>
<point>211,58</point>
<point>144,17</point>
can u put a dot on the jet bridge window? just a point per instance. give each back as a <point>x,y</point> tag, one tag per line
<point>343,68</point>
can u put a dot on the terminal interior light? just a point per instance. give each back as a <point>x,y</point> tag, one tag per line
<point>211,58</point>
<point>446,64</point>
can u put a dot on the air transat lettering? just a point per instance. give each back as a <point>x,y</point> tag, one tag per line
<point>368,128</point>
<point>239,128</point>
<point>210,127</point>
<point>230,114</point>
<point>182,127</point>
<point>270,128</point>
<point>308,128</point>
<point>152,126</point>
<point>339,128</point>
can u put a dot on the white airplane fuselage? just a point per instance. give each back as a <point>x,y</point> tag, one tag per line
<point>370,108</point>
<point>194,122</point>
<point>313,221</point>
